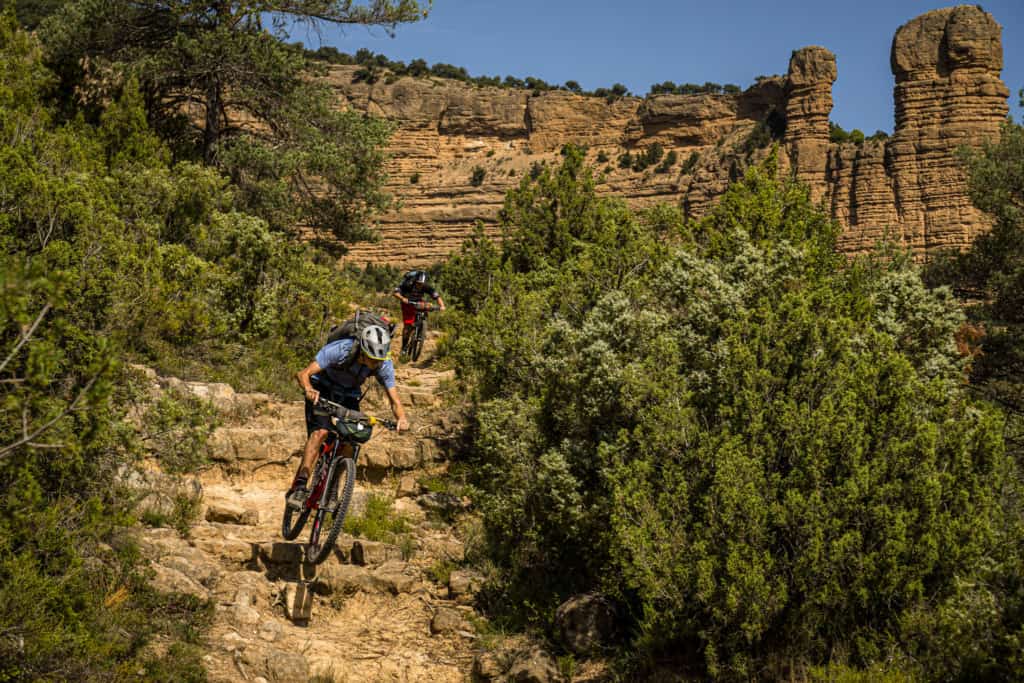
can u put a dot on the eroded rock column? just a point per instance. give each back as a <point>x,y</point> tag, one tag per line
<point>948,94</point>
<point>812,70</point>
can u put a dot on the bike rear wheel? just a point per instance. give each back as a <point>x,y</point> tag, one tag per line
<point>331,515</point>
<point>290,530</point>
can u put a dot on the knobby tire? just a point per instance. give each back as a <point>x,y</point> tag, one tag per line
<point>318,552</point>
<point>417,340</point>
<point>288,529</point>
<point>291,531</point>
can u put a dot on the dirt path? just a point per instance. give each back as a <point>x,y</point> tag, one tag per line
<point>373,611</point>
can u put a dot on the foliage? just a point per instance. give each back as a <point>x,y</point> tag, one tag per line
<point>691,162</point>
<point>650,156</point>
<point>760,137</point>
<point>373,64</point>
<point>114,251</point>
<point>220,87</point>
<point>175,429</point>
<point>378,522</point>
<point>990,276</point>
<point>670,88</point>
<point>477,177</point>
<point>764,451</point>
<point>668,162</point>
<point>837,134</point>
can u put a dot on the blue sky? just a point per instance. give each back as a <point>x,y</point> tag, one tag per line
<point>601,42</point>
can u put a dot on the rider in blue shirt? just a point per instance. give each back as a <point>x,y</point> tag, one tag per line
<point>338,376</point>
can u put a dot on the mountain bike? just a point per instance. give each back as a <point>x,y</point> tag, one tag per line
<point>418,337</point>
<point>332,469</point>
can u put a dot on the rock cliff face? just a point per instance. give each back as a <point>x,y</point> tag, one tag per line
<point>458,149</point>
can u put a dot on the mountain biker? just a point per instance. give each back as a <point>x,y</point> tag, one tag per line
<point>413,288</point>
<point>337,376</point>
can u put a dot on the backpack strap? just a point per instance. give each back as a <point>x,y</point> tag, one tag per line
<point>350,360</point>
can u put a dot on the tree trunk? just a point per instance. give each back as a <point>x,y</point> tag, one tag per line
<point>211,133</point>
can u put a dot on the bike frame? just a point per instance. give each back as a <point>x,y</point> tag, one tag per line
<point>328,455</point>
<point>417,328</point>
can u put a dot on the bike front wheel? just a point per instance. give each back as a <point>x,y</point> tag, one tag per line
<point>419,335</point>
<point>331,515</point>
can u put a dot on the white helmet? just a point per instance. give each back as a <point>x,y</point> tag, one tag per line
<point>375,342</point>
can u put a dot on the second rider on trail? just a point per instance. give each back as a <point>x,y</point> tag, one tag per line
<point>337,374</point>
<point>411,291</point>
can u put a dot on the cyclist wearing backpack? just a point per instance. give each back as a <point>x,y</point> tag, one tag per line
<point>413,289</point>
<point>337,373</point>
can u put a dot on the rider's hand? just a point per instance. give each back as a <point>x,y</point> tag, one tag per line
<point>312,395</point>
<point>403,425</point>
<point>440,307</point>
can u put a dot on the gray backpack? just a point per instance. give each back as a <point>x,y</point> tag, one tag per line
<point>351,328</point>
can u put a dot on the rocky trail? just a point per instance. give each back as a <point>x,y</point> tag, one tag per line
<point>374,611</point>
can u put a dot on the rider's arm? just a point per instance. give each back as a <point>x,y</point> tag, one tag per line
<point>440,302</point>
<point>398,295</point>
<point>302,377</point>
<point>397,409</point>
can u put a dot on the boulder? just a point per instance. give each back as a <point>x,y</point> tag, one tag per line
<point>463,585</point>
<point>585,623</point>
<point>221,395</point>
<point>230,513</point>
<point>446,620</point>
<point>270,631</point>
<point>487,667</point>
<point>285,666</point>
<point>393,577</point>
<point>444,504</point>
<point>408,486</point>
<point>170,580</point>
<point>343,578</point>
<point>298,602</point>
<point>281,552</point>
<point>534,666</point>
<point>373,552</point>
<point>195,565</point>
<point>407,507</point>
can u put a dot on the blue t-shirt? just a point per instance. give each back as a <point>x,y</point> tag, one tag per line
<point>331,357</point>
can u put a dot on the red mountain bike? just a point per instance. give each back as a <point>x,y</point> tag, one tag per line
<point>324,502</point>
<point>418,336</point>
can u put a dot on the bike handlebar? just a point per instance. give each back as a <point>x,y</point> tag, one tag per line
<point>342,413</point>
<point>426,306</point>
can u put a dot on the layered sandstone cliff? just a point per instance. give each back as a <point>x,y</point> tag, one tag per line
<point>458,148</point>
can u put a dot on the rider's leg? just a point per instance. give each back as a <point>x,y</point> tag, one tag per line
<point>299,489</point>
<point>311,452</point>
<point>316,429</point>
<point>406,333</point>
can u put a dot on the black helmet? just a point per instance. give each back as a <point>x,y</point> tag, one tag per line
<point>421,278</point>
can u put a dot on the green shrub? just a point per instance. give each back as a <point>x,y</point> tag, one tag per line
<point>414,178</point>
<point>691,162</point>
<point>837,134</point>
<point>760,137</point>
<point>764,450</point>
<point>602,157</point>
<point>477,178</point>
<point>667,163</point>
<point>378,522</point>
